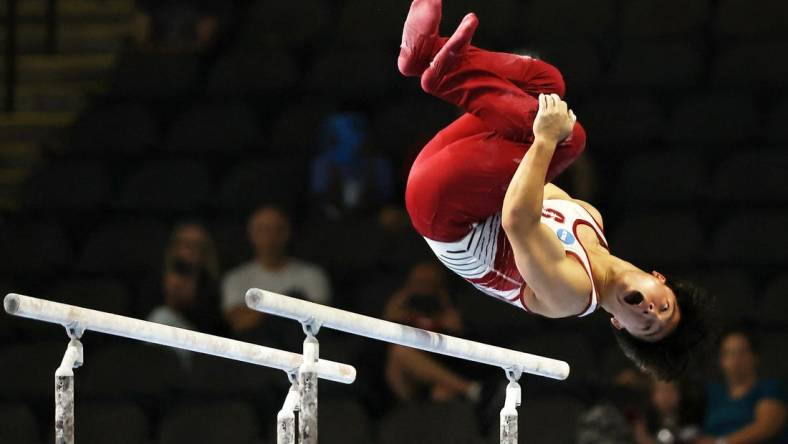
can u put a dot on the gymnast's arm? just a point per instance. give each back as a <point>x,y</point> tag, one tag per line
<point>557,281</point>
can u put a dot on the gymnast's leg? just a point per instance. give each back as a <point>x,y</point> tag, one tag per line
<point>461,176</point>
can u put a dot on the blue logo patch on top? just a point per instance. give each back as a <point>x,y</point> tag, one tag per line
<point>565,236</point>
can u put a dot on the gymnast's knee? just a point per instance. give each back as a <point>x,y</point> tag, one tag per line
<point>549,78</point>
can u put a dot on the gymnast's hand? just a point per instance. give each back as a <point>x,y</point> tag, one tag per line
<point>554,121</point>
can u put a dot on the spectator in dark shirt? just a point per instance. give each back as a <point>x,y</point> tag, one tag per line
<point>412,374</point>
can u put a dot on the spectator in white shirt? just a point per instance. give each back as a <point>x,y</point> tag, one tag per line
<point>272,269</point>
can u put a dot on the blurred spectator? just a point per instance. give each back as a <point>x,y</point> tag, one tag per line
<point>667,419</point>
<point>186,293</point>
<point>347,175</point>
<point>179,24</point>
<point>272,269</point>
<point>611,419</point>
<point>412,374</point>
<point>744,409</point>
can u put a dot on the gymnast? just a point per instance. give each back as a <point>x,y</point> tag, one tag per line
<point>479,193</point>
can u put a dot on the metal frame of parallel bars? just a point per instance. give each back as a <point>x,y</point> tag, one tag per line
<point>303,371</point>
<point>303,396</point>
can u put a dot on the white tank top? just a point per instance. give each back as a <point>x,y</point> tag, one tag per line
<point>564,217</point>
<point>484,256</point>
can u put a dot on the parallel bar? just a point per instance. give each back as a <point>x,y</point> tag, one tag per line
<point>354,323</point>
<point>77,317</point>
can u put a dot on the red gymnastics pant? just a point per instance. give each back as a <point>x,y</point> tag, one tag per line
<point>460,177</point>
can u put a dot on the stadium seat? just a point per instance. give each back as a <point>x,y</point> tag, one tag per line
<point>752,65</point>
<point>167,187</point>
<point>364,24</point>
<point>98,294</point>
<point>630,121</point>
<point>772,356</point>
<point>220,129</point>
<point>289,24</point>
<point>250,185</point>
<point>501,21</point>
<point>323,238</point>
<point>294,131</point>
<point>671,179</point>
<point>210,423</point>
<point>28,370</point>
<point>111,131</point>
<point>658,240</point>
<point>215,377</point>
<point>361,75</point>
<point>131,370</point>
<point>774,303</point>
<point>592,18</point>
<point>67,187</point>
<point>752,178</point>
<point>553,419</point>
<point>577,59</point>
<point>343,421</point>
<point>256,73</point>
<point>776,130</point>
<point>148,75</point>
<point>125,245</point>
<point>657,65</point>
<point>574,348</point>
<point>747,18</point>
<point>661,18</point>
<point>232,241</point>
<point>423,423</point>
<point>488,317</point>
<point>409,124</point>
<point>732,292</point>
<point>709,119</point>
<point>118,423</point>
<point>35,247</point>
<point>19,424</point>
<point>753,239</point>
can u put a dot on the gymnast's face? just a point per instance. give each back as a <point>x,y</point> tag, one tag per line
<point>644,306</point>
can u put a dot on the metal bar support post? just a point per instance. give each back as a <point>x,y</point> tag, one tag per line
<point>307,385</point>
<point>64,388</point>
<point>509,426</point>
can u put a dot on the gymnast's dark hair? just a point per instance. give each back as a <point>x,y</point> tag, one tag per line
<point>668,358</point>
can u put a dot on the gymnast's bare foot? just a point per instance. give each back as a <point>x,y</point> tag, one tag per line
<point>419,37</point>
<point>450,53</point>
